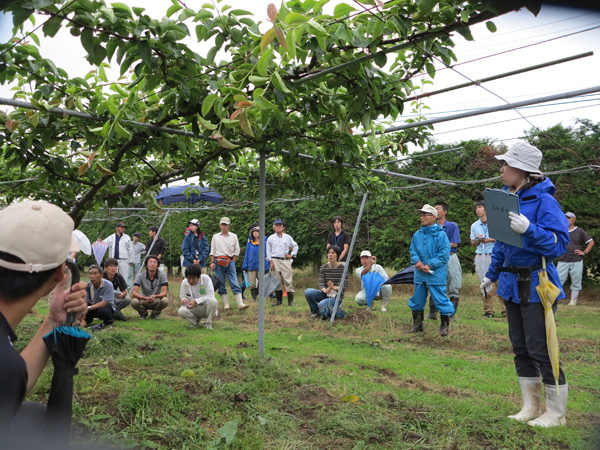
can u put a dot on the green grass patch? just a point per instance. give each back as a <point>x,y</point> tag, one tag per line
<point>160,384</point>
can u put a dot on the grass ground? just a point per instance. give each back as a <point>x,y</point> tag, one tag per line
<point>414,391</point>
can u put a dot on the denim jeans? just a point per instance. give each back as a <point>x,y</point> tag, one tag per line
<point>317,299</point>
<point>229,273</point>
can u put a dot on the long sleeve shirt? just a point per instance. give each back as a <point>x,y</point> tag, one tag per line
<point>190,292</point>
<point>125,250</point>
<point>221,245</point>
<point>278,247</point>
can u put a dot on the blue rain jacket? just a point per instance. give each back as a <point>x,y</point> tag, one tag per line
<point>431,246</point>
<point>251,259</point>
<point>189,246</point>
<point>546,220</point>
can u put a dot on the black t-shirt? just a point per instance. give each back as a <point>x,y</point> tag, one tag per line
<point>13,374</point>
<point>339,240</point>
<point>118,282</point>
<point>577,238</point>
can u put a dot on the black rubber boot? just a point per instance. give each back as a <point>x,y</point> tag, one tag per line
<point>417,322</point>
<point>279,298</point>
<point>291,299</point>
<point>432,311</point>
<point>254,292</point>
<point>454,301</point>
<point>445,326</point>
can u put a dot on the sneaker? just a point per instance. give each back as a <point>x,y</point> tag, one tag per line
<point>488,315</point>
<point>155,316</point>
<point>208,326</point>
<point>98,327</point>
<point>143,317</point>
<point>383,309</point>
<point>195,325</point>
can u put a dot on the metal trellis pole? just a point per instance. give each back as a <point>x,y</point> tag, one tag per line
<point>261,258</point>
<point>348,257</point>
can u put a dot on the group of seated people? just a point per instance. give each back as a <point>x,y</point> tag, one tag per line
<point>107,292</point>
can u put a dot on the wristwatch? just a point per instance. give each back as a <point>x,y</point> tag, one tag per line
<point>584,252</point>
<point>89,308</point>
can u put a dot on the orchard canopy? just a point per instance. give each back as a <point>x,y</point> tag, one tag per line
<point>312,84</point>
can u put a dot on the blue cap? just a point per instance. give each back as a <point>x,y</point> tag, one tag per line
<point>278,222</point>
<point>136,234</point>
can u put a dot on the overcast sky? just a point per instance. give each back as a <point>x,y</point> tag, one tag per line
<point>514,30</point>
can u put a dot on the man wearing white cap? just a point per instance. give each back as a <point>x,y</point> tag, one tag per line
<point>368,265</point>
<point>571,262</point>
<point>429,252</point>
<point>30,269</point>
<point>224,250</point>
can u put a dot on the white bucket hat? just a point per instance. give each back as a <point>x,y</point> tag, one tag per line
<point>50,236</point>
<point>428,209</point>
<point>524,156</point>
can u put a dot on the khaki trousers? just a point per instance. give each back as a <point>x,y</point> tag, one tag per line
<point>142,306</point>
<point>283,273</point>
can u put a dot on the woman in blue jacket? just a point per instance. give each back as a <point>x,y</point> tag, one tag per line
<point>545,231</point>
<point>252,260</point>
<point>195,246</point>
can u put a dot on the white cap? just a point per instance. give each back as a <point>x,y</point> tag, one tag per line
<point>570,214</point>
<point>225,220</point>
<point>524,156</point>
<point>428,209</point>
<point>194,222</point>
<point>49,236</point>
<point>365,253</point>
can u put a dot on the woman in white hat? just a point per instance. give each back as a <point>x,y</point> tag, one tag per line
<point>545,232</point>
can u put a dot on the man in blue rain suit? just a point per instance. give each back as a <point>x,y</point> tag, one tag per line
<point>429,252</point>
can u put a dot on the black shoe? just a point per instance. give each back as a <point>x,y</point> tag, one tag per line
<point>254,294</point>
<point>454,301</point>
<point>143,316</point>
<point>291,299</point>
<point>488,315</point>
<point>417,322</point>
<point>445,326</point>
<point>279,298</point>
<point>155,316</point>
<point>97,327</point>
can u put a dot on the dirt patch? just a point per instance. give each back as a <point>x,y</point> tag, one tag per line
<point>311,400</point>
<point>381,371</point>
<point>230,377</point>
<point>313,396</point>
<point>361,317</point>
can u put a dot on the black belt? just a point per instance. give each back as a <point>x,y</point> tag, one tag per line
<point>519,269</point>
<point>276,257</point>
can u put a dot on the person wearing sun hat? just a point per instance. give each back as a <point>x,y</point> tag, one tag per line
<point>29,269</point>
<point>430,252</point>
<point>545,231</point>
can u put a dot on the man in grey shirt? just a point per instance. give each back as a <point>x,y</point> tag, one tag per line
<point>100,296</point>
<point>150,290</point>
<point>138,249</point>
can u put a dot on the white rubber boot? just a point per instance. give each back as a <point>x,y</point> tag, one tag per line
<point>384,304</point>
<point>238,300</point>
<point>225,300</point>
<point>556,407</point>
<point>531,393</point>
<point>574,296</point>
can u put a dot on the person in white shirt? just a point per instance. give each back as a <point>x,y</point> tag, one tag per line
<point>119,247</point>
<point>224,250</point>
<point>138,249</point>
<point>197,298</point>
<point>281,249</point>
<point>368,265</point>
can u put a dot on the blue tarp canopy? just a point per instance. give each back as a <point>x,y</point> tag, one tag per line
<point>176,194</point>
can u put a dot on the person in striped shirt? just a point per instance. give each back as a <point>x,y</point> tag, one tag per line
<point>330,277</point>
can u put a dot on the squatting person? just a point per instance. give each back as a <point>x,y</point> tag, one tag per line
<point>150,290</point>
<point>368,265</point>
<point>197,298</point>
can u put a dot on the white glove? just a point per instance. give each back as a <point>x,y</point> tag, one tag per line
<point>519,223</point>
<point>485,284</point>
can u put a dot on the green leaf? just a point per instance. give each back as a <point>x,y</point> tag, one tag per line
<point>350,398</point>
<point>263,62</point>
<point>208,103</point>
<point>258,81</point>
<point>293,19</point>
<point>122,131</point>
<point>245,124</point>
<point>380,59</point>
<point>145,52</point>
<point>464,15</point>
<point>426,6</point>
<point>291,42</point>
<point>51,27</point>
<point>211,55</point>
<point>430,69</point>
<point>317,8</point>
<point>263,103</point>
<point>241,12</point>
<point>87,40</point>
<point>318,28</point>
<point>228,431</point>
<point>267,38</point>
<point>187,373</point>
<point>123,9</point>
<point>138,11</point>
<point>203,15</point>
<point>173,9</point>
<point>366,121</point>
<point>491,26</point>
<point>465,32</point>
<point>343,9</point>
<point>279,84</point>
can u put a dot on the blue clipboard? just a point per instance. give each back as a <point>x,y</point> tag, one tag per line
<point>498,204</point>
